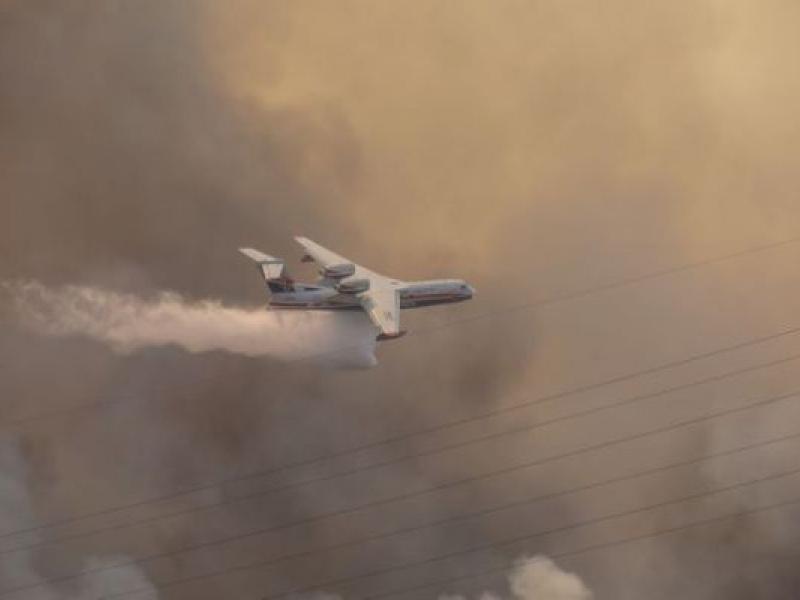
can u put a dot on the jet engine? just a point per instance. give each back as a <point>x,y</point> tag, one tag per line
<point>353,286</point>
<point>338,271</point>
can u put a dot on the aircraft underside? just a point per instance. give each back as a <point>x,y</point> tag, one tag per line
<point>405,303</point>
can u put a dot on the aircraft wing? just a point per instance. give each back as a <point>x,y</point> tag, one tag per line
<point>326,258</point>
<point>381,301</point>
<point>383,308</point>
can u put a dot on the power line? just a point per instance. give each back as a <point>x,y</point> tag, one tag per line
<point>393,439</point>
<point>528,537</point>
<point>511,309</point>
<point>477,548</point>
<point>240,499</point>
<point>407,436</point>
<point>577,452</point>
<point>450,520</point>
<point>594,547</point>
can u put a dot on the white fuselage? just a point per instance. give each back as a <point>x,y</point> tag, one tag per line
<point>412,294</point>
<point>344,285</point>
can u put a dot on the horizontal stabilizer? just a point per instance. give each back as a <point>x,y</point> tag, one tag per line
<point>273,269</point>
<point>257,256</point>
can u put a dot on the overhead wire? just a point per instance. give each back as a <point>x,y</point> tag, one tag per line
<point>599,546</point>
<point>449,520</point>
<point>338,454</point>
<point>537,462</point>
<point>380,465</point>
<point>431,429</point>
<point>407,436</point>
<point>478,548</point>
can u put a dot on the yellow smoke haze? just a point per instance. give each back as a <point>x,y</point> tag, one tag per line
<point>473,116</point>
<point>534,148</point>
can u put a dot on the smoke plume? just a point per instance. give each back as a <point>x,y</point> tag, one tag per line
<point>538,578</point>
<point>531,578</point>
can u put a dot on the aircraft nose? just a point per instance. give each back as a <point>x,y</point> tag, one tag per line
<point>470,291</point>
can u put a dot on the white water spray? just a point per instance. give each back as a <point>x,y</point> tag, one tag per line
<point>128,323</point>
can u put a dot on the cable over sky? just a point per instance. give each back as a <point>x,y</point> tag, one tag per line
<point>338,453</point>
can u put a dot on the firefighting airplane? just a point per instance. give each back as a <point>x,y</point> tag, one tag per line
<point>346,285</point>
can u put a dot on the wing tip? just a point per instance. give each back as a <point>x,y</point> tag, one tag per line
<point>385,337</point>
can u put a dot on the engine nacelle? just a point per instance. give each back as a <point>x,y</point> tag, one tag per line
<point>338,271</point>
<point>353,286</point>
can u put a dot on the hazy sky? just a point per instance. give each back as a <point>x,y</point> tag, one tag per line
<point>535,148</point>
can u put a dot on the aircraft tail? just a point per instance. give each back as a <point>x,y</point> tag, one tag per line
<point>272,269</point>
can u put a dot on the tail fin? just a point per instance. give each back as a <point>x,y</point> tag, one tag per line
<point>273,269</point>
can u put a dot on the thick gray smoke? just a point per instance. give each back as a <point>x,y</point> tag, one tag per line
<point>534,149</point>
<point>15,513</point>
<point>128,323</point>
